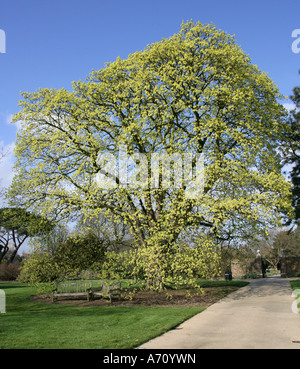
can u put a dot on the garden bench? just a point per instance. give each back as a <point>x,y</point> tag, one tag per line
<point>107,290</point>
<point>80,288</point>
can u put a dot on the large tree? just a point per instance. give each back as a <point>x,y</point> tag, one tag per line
<point>196,92</point>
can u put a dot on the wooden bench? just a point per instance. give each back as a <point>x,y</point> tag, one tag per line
<point>107,290</point>
<point>80,288</point>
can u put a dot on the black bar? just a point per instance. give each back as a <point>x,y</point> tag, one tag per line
<point>127,358</point>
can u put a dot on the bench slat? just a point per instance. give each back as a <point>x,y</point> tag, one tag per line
<point>72,289</point>
<point>107,290</point>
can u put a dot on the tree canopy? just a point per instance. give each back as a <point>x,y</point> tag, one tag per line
<point>195,92</point>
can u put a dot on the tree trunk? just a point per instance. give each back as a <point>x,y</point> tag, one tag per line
<point>13,255</point>
<point>18,242</point>
<point>155,283</point>
<point>155,269</point>
<point>3,251</point>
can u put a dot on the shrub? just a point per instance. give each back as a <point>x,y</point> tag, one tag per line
<point>9,271</point>
<point>39,267</point>
<point>79,253</point>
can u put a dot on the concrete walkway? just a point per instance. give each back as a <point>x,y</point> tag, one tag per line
<point>258,316</point>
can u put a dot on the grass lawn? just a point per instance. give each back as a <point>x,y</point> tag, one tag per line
<point>295,284</point>
<point>30,324</point>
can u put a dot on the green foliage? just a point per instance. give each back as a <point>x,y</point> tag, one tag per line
<point>39,268</point>
<point>80,253</point>
<point>70,258</point>
<point>191,263</point>
<point>122,265</point>
<point>181,264</point>
<point>196,92</point>
<point>23,222</point>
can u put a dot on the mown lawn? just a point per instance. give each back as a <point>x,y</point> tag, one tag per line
<point>30,324</point>
<point>295,284</point>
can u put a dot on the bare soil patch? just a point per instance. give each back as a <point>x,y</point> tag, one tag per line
<point>179,298</point>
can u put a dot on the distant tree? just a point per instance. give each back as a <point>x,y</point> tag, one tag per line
<point>16,225</point>
<point>269,250</point>
<point>272,246</point>
<point>111,232</point>
<point>291,151</point>
<point>49,241</point>
<point>289,242</point>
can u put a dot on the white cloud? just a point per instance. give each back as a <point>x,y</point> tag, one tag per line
<point>7,161</point>
<point>9,118</point>
<point>6,164</point>
<point>17,124</point>
<point>289,106</point>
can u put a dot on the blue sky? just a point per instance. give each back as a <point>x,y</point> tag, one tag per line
<point>52,43</point>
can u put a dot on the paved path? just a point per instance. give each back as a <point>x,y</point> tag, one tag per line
<point>257,316</point>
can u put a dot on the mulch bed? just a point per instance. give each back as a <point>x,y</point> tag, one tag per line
<point>174,298</point>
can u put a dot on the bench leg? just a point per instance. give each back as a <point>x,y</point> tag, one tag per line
<point>90,295</point>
